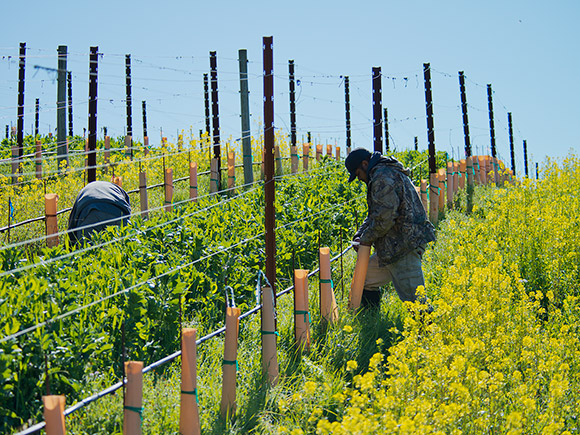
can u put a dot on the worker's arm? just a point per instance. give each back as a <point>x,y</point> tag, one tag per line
<point>362,229</point>
<point>382,211</point>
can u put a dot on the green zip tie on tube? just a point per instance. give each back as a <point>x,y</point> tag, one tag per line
<point>305,313</point>
<point>327,281</point>
<point>231,363</point>
<point>191,393</point>
<point>135,409</point>
<point>269,333</point>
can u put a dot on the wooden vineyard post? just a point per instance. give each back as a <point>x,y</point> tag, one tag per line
<point>305,155</point>
<point>133,406</point>
<point>143,199</point>
<point>337,155</point>
<point>328,307</point>
<point>230,363</point>
<point>359,277</point>
<point>318,152</point>
<point>168,184</point>
<point>328,150</point>
<point>145,146</point>
<point>450,188</point>
<point>231,171</point>
<point>118,181</point>
<point>278,160</point>
<point>189,410</point>
<point>193,181</point>
<point>269,337</point>
<point>50,206</point>
<point>462,170</point>
<point>54,414</point>
<point>107,153</point>
<point>301,311</point>
<point>441,176</point>
<point>424,197</point>
<point>293,159</point>
<point>38,160</point>
<point>213,176</point>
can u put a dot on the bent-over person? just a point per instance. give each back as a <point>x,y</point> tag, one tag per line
<point>396,225</point>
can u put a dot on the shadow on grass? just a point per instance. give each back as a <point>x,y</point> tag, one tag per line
<point>374,325</point>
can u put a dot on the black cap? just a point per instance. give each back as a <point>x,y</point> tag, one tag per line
<point>354,160</point>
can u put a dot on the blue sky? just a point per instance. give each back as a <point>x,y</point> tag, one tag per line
<point>525,49</point>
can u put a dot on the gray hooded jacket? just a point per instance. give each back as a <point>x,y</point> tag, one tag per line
<point>396,223</point>
<point>98,202</point>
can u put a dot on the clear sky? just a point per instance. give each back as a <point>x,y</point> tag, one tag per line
<point>527,50</point>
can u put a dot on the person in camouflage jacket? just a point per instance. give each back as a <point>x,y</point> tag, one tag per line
<point>396,225</point>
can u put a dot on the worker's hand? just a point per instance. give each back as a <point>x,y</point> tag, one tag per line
<point>355,243</point>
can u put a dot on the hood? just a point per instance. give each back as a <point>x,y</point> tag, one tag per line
<point>378,159</point>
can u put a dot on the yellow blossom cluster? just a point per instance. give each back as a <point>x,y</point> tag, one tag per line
<point>501,351</point>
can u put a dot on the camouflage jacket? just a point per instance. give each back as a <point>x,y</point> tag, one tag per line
<point>396,222</point>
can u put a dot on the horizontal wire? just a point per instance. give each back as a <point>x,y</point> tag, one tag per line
<point>101,245</point>
<point>61,233</point>
<point>125,290</point>
<point>114,220</point>
<point>81,404</point>
<point>68,170</point>
<point>150,280</point>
